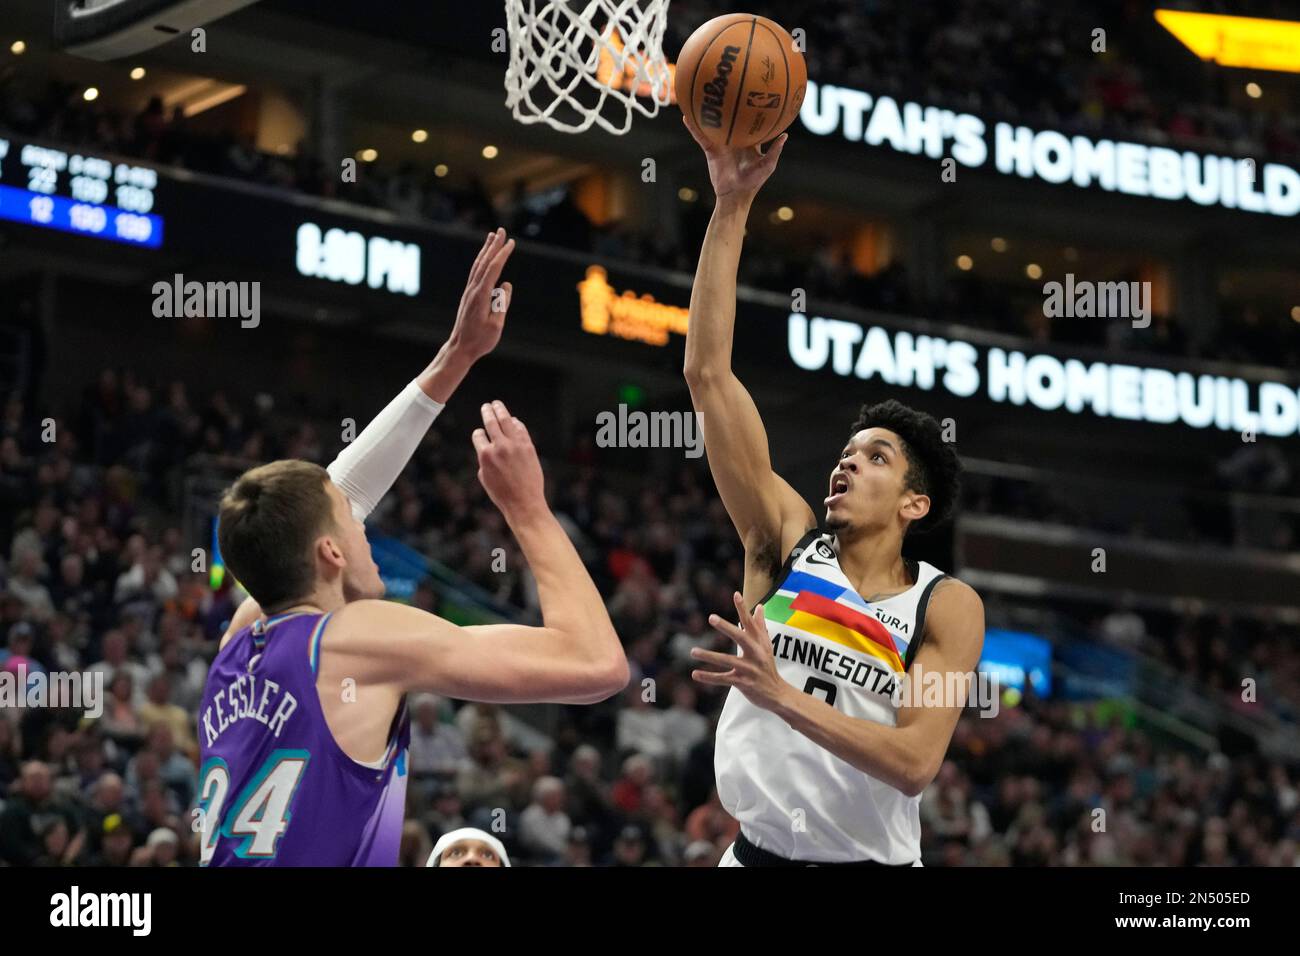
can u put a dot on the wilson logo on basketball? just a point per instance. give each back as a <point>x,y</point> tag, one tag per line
<point>715,91</point>
<point>763,101</point>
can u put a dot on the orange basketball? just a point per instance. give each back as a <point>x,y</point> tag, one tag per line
<point>741,78</point>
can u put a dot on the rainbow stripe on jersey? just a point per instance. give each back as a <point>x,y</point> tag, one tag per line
<point>814,605</point>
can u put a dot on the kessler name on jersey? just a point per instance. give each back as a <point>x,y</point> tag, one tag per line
<point>275,787</point>
<point>248,698</point>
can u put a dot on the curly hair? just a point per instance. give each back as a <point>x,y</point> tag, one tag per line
<point>933,468</point>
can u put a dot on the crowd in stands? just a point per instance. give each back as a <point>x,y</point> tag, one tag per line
<point>97,575</point>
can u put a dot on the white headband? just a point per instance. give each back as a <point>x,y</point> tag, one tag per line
<point>467,833</point>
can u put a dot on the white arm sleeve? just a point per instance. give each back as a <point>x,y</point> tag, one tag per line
<point>367,468</point>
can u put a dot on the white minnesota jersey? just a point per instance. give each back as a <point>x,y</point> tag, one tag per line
<point>791,796</point>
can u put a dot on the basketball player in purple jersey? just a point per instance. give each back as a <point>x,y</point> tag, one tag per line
<point>303,726</point>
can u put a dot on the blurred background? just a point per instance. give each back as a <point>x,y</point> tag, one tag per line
<point>1164,689</point>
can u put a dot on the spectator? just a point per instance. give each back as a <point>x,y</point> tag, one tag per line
<point>579,849</point>
<point>629,790</point>
<point>629,848</point>
<point>702,853</point>
<point>107,798</point>
<point>444,814</point>
<point>115,650</point>
<point>158,710</point>
<point>160,849</point>
<point>642,727</point>
<point>18,649</point>
<point>26,816</point>
<point>115,843</point>
<point>437,748</point>
<point>489,778</point>
<point>174,769</point>
<point>146,580</point>
<point>518,735</point>
<point>122,722</point>
<point>588,795</point>
<point>25,584</point>
<point>57,843</point>
<point>684,726</point>
<point>544,826</point>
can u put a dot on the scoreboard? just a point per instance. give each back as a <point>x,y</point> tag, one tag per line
<point>95,196</point>
<point>79,193</point>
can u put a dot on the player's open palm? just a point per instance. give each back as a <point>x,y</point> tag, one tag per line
<point>482,312</point>
<point>753,672</point>
<point>507,461</point>
<point>737,170</point>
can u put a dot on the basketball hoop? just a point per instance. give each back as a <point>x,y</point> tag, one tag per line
<point>567,61</point>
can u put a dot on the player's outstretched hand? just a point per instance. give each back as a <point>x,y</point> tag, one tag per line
<point>734,170</point>
<point>507,462</point>
<point>482,312</point>
<point>754,671</point>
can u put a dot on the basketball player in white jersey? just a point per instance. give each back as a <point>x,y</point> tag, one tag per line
<point>814,757</point>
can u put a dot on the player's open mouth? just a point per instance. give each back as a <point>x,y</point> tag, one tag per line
<point>839,488</point>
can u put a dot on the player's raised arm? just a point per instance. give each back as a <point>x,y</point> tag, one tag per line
<point>768,514</point>
<point>574,657</point>
<point>368,466</point>
<point>480,319</point>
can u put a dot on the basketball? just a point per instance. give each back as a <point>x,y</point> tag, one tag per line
<point>741,79</point>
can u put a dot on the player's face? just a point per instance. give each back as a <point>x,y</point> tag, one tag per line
<point>469,853</point>
<point>361,574</point>
<point>866,486</point>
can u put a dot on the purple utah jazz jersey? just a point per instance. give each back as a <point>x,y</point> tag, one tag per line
<point>275,788</point>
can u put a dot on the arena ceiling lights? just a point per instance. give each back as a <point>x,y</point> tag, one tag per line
<point>1237,41</point>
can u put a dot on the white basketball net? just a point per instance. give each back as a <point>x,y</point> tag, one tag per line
<point>562,48</point>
